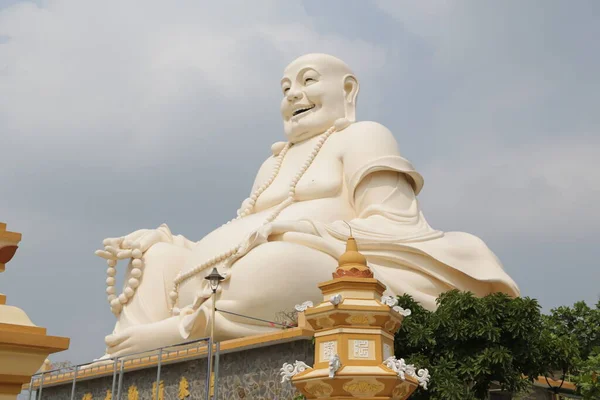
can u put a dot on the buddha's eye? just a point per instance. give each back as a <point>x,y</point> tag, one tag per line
<point>309,80</point>
<point>285,90</point>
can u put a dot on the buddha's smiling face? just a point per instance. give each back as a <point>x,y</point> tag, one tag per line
<point>314,95</point>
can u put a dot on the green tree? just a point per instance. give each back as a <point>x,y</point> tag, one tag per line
<point>573,346</point>
<point>470,343</point>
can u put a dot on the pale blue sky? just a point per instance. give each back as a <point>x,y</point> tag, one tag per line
<point>116,116</point>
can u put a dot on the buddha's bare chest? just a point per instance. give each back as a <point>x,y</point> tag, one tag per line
<point>322,179</point>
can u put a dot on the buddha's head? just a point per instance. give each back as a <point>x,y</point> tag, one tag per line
<point>317,90</point>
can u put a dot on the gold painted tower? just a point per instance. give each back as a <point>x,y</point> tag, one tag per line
<point>354,338</point>
<point>23,345</point>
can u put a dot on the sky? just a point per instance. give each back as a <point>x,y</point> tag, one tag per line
<point>116,116</point>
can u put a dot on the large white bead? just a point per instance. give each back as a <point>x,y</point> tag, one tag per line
<point>128,292</point>
<point>115,303</point>
<point>133,282</point>
<point>173,295</point>
<point>136,272</point>
<point>122,298</point>
<point>111,263</point>
<point>136,253</point>
<point>111,297</point>
<point>137,263</point>
<point>111,271</point>
<point>110,290</point>
<point>110,281</point>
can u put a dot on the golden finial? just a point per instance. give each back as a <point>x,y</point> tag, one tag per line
<point>352,263</point>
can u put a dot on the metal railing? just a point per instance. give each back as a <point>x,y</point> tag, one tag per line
<point>162,354</point>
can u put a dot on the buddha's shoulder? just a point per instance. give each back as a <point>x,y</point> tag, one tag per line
<point>367,134</point>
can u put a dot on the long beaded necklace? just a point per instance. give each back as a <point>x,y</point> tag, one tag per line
<point>183,277</point>
<point>117,302</point>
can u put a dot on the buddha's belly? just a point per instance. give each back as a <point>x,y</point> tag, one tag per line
<point>227,236</point>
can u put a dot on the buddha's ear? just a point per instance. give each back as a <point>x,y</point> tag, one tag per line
<point>350,93</point>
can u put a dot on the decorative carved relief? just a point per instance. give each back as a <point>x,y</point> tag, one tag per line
<point>402,369</point>
<point>318,389</point>
<point>335,300</point>
<point>389,301</point>
<point>304,306</point>
<point>360,319</point>
<point>87,396</point>
<point>108,395</point>
<point>328,350</point>
<point>184,389</point>
<point>361,349</point>
<point>401,391</point>
<point>132,393</point>
<point>334,364</point>
<point>388,351</point>
<point>363,387</point>
<point>288,370</point>
<point>161,391</point>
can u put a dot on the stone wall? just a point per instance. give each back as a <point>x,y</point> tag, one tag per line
<point>249,374</point>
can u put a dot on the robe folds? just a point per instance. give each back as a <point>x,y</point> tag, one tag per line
<point>402,250</point>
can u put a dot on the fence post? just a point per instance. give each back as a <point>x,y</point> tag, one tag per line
<point>74,383</point>
<point>158,374</point>
<point>208,368</point>
<point>120,380</point>
<point>30,388</point>
<point>41,387</point>
<point>216,373</point>
<point>114,382</point>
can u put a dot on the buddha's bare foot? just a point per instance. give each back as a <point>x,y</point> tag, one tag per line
<point>141,338</point>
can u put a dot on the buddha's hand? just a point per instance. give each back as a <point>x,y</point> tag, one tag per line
<point>120,248</point>
<point>271,231</point>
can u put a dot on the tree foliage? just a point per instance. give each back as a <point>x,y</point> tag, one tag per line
<point>468,343</point>
<point>573,346</point>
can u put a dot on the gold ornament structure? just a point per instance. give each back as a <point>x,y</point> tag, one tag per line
<point>23,345</point>
<point>161,391</point>
<point>132,393</point>
<point>354,336</point>
<point>184,389</point>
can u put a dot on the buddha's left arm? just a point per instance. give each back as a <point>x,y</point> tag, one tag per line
<point>381,187</point>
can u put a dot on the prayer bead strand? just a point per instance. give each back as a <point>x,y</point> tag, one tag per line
<point>117,302</point>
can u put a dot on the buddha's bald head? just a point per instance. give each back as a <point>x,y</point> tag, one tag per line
<point>318,89</point>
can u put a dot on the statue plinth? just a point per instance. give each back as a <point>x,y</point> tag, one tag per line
<point>354,336</point>
<point>23,345</point>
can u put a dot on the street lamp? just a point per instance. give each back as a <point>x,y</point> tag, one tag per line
<point>214,279</point>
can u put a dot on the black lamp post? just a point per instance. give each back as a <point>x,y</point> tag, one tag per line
<point>214,279</point>
<point>556,389</point>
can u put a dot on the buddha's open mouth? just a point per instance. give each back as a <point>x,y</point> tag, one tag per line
<point>302,110</point>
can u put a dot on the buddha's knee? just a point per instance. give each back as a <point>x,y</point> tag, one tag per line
<point>279,270</point>
<point>164,258</point>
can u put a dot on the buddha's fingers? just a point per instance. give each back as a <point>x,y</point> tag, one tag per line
<point>150,239</point>
<point>105,254</point>
<point>113,242</point>
<point>112,250</point>
<point>132,238</point>
<point>123,254</point>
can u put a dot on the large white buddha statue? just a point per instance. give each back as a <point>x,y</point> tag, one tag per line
<point>333,173</point>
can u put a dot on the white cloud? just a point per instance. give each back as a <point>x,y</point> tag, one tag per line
<point>113,75</point>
